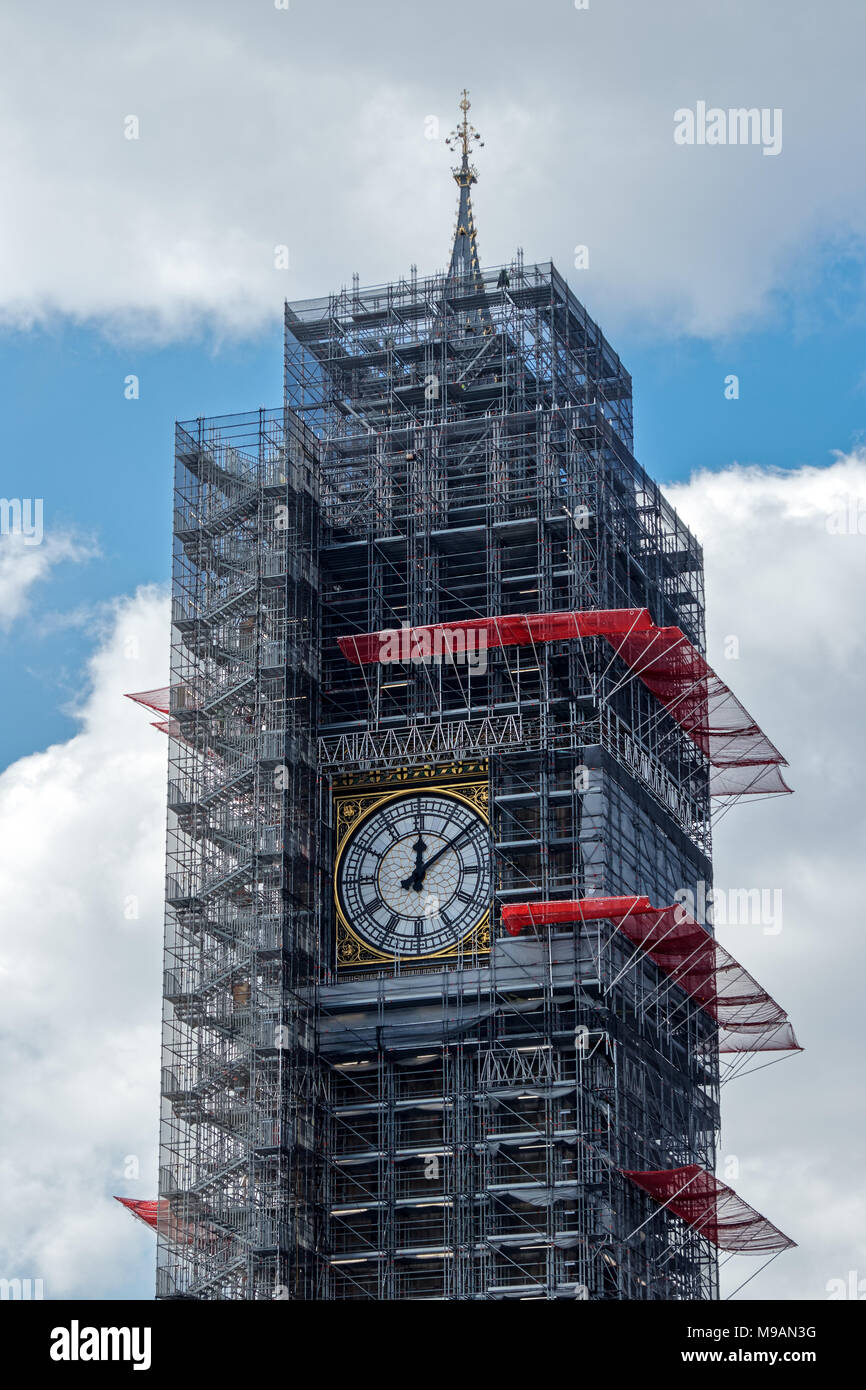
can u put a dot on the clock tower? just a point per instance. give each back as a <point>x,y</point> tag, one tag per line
<point>434,752</point>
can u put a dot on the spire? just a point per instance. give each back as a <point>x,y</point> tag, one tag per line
<point>464,255</point>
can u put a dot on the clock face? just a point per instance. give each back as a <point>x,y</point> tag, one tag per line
<point>413,877</point>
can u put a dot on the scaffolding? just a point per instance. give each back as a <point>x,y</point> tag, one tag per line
<point>238,1167</point>
<point>452,449</point>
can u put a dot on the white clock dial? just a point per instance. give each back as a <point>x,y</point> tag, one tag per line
<point>414,877</point>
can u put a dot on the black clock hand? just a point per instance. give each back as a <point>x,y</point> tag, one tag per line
<point>416,878</point>
<point>444,850</point>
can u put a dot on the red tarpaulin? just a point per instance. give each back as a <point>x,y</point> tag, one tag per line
<point>749,1018</point>
<point>148,1212</point>
<point>511,630</point>
<point>743,760</point>
<point>516,916</point>
<point>713,1209</point>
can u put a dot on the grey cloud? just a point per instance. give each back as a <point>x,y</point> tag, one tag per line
<point>262,127</point>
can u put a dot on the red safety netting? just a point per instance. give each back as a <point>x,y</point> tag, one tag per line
<point>148,1212</point>
<point>749,1018</point>
<point>712,1209</point>
<point>511,630</point>
<point>743,760</point>
<point>159,700</point>
<point>159,1217</point>
<point>154,699</point>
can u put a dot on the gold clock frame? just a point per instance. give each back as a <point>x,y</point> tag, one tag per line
<point>352,805</point>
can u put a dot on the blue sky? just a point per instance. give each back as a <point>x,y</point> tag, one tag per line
<point>103,465</point>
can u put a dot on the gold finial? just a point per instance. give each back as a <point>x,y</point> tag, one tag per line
<point>463,136</point>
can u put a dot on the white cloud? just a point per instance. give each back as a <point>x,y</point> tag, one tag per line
<point>260,127</point>
<point>784,581</point>
<point>24,562</point>
<point>82,831</point>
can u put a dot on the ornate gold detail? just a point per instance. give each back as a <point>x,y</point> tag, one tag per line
<point>351,950</point>
<point>411,776</point>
